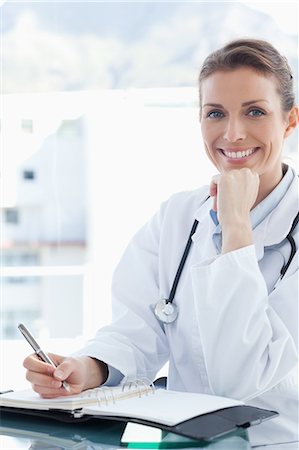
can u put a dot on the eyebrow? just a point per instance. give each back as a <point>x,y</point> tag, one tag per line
<point>250,102</point>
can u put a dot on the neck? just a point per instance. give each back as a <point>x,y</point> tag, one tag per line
<point>268,183</point>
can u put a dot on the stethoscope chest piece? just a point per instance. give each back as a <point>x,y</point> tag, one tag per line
<point>166,311</point>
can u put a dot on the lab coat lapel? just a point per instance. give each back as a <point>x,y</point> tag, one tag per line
<point>202,238</point>
<point>275,227</point>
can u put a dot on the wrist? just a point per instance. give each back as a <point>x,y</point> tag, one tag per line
<point>235,237</point>
<point>96,372</point>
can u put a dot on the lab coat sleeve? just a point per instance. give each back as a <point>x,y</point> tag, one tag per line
<point>135,343</point>
<point>249,341</point>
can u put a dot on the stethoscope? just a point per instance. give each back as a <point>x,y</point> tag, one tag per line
<point>167,312</point>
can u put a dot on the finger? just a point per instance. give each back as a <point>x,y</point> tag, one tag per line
<point>34,364</point>
<point>215,203</point>
<point>57,359</point>
<point>64,370</point>
<point>213,185</point>
<point>36,378</point>
<point>47,392</point>
<point>213,190</point>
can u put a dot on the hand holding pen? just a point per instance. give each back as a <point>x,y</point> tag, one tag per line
<point>82,372</point>
<point>38,351</point>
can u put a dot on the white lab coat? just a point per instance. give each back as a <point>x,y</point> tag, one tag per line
<point>235,335</point>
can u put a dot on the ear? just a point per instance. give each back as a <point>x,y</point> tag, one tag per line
<point>292,121</point>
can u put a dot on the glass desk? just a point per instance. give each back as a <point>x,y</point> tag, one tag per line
<point>25,432</point>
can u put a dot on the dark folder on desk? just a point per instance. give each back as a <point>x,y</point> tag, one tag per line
<point>196,416</point>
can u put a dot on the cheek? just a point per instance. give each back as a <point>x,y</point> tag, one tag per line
<point>261,131</point>
<point>269,136</point>
<point>208,134</point>
<point>269,130</point>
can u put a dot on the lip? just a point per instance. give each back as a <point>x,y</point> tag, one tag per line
<point>235,150</point>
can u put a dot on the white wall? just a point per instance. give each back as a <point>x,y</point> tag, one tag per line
<point>142,147</point>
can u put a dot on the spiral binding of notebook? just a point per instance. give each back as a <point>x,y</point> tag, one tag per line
<point>100,396</point>
<point>106,394</point>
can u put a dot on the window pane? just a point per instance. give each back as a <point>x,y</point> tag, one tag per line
<point>44,303</point>
<point>27,125</point>
<point>28,174</point>
<point>11,216</point>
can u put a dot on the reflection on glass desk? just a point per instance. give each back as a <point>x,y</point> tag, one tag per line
<point>19,432</point>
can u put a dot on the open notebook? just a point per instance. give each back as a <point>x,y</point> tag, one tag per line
<point>179,412</point>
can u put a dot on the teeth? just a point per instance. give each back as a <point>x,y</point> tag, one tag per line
<point>237,155</point>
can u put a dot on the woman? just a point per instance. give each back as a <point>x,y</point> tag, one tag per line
<point>236,331</point>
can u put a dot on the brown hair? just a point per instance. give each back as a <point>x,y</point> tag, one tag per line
<point>258,54</point>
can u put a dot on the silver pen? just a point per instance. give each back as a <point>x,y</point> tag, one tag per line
<point>38,351</point>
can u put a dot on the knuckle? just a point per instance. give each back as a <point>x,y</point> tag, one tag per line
<point>70,361</point>
<point>27,375</point>
<point>29,361</point>
<point>36,388</point>
<point>76,390</point>
<point>25,363</point>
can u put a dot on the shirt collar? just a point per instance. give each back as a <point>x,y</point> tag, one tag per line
<point>266,206</point>
<point>214,217</point>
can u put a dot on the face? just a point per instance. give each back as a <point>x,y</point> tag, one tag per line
<point>243,124</point>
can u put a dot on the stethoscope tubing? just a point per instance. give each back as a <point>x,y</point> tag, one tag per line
<point>283,271</point>
<point>167,312</point>
<point>182,263</point>
<point>293,247</point>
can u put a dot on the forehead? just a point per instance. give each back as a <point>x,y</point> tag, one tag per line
<point>241,84</point>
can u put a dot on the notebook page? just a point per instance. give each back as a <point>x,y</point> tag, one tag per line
<point>31,400</point>
<point>165,407</point>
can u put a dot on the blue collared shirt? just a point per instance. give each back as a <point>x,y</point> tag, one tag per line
<point>114,377</point>
<point>262,210</point>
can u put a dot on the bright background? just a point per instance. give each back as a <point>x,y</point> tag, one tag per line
<point>99,125</point>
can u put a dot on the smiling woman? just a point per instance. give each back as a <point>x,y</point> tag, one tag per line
<point>236,330</point>
<point>255,109</point>
<point>248,127</point>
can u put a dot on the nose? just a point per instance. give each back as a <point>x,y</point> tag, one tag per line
<point>234,130</point>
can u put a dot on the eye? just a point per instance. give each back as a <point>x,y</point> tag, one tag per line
<point>256,112</point>
<point>215,115</point>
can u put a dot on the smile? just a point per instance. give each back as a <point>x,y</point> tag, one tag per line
<point>239,154</point>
